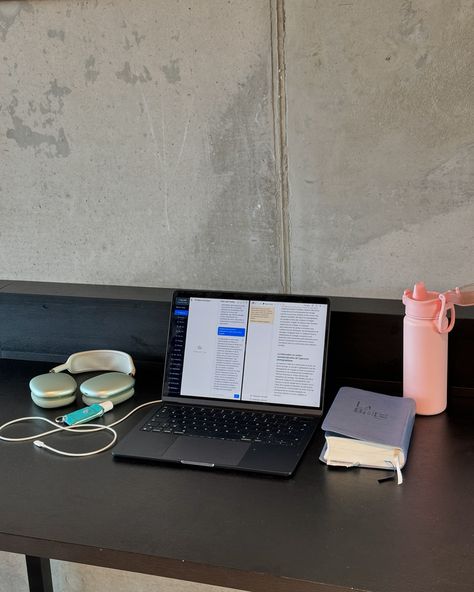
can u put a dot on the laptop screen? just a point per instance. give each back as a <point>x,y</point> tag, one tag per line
<point>247,348</point>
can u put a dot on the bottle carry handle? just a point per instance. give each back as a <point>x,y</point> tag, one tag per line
<point>463,296</point>
<point>443,315</point>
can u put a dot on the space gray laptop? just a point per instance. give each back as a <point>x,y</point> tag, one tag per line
<point>243,383</point>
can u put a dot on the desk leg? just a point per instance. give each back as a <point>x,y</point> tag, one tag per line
<point>39,574</point>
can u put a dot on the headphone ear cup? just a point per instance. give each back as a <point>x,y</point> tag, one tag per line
<point>53,390</point>
<point>111,386</point>
<point>114,399</point>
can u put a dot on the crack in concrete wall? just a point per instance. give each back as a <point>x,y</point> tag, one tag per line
<point>277,10</point>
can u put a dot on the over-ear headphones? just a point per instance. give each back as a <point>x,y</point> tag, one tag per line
<point>57,390</point>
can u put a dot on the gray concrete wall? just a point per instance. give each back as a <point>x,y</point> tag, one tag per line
<point>137,143</point>
<point>141,143</point>
<point>73,577</point>
<point>380,143</point>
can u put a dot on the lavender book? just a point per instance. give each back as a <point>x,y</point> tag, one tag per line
<point>368,429</point>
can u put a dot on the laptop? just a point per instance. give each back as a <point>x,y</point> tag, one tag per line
<point>243,383</point>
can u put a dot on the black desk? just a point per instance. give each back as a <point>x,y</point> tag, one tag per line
<point>323,530</point>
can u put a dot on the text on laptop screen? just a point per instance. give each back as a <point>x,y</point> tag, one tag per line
<point>256,351</point>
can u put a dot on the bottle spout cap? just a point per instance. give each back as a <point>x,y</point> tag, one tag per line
<point>419,292</point>
<point>421,303</point>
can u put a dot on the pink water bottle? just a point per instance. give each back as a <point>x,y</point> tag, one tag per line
<point>425,351</point>
<point>429,317</point>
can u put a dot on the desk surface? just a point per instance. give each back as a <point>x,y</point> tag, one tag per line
<point>322,530</point>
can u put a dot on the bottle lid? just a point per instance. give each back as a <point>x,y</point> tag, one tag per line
<point>421,303</point>
<point>463,296</point>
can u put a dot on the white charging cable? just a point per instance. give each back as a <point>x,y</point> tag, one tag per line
<point>81,428</point>
<point>97,427</point>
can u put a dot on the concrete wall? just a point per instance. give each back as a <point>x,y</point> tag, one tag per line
<point>73,577</point>
<point>137,143</point>
<point>141,143</point>
<point>380,142</point>
<point>256,144</point>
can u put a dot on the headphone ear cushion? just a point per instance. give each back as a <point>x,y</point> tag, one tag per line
<point>53,390</point>
<point>111,386</point>
<point>115,399</point>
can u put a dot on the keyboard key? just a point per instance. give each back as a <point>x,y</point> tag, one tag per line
<point>229,424</point>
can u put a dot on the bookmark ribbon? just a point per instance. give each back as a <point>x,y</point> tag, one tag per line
<point>396,471</point>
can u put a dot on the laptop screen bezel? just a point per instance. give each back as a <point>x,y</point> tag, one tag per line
<point>245,405</point>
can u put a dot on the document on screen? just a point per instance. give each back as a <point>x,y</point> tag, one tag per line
<point>285,353</point>
<point>258,351</point>
<point>215,344</point>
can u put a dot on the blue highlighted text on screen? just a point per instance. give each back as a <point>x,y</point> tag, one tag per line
<point>231,331</point>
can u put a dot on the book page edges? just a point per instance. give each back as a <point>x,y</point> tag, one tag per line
<point>363,454</point>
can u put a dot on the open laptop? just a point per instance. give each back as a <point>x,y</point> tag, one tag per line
<point>243,383</point>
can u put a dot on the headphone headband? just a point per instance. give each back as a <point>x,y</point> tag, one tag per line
<point>98,359</point>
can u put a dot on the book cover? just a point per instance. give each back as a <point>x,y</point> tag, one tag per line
<point>372,417</point>
<point>368,429</point>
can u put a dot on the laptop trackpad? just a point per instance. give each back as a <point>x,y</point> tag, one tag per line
<point>206,451</point>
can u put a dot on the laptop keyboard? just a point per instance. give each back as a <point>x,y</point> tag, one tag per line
<point>230,424</point>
